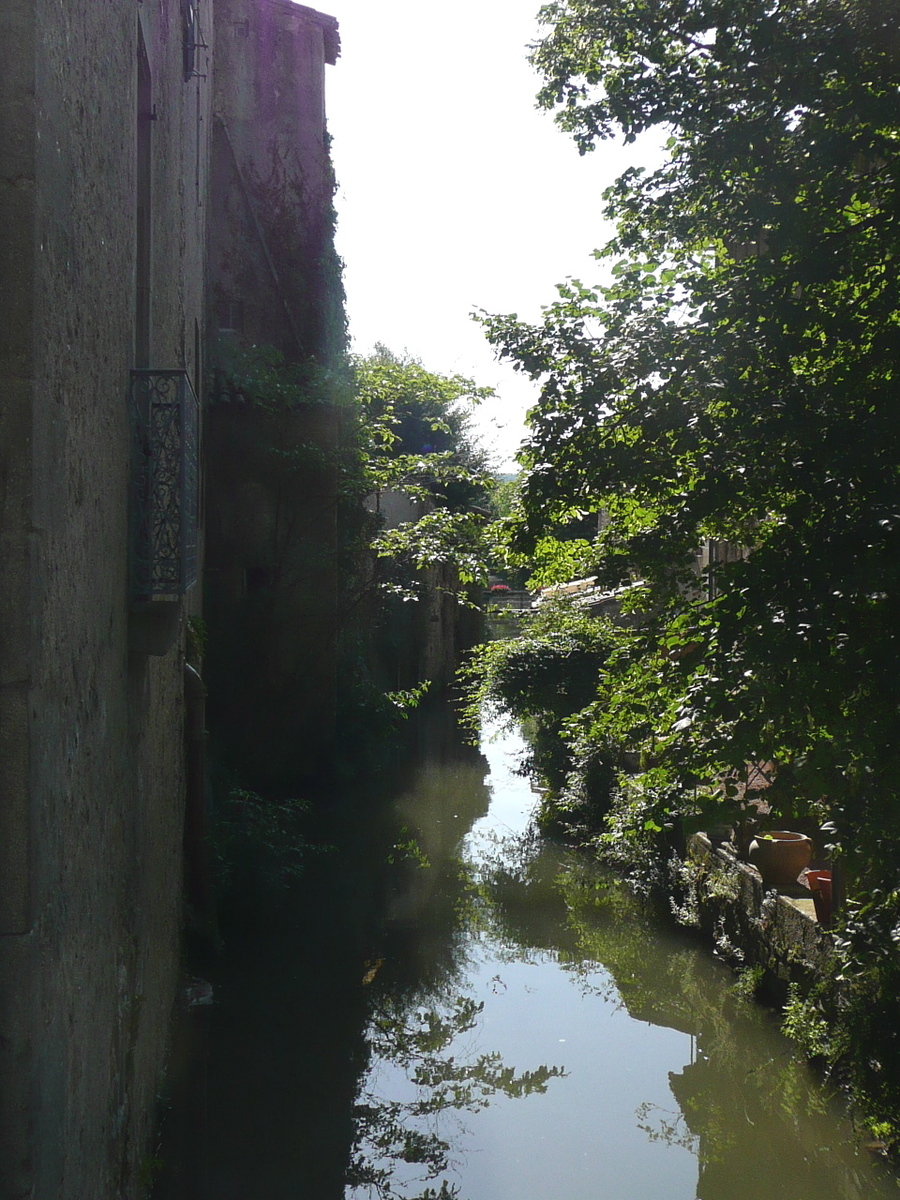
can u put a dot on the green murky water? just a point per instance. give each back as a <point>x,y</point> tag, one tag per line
<point>458,1009</point>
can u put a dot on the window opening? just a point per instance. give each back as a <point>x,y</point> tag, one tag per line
<point>192,38</point>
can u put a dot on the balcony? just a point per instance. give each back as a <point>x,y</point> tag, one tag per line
<point>164,485</point>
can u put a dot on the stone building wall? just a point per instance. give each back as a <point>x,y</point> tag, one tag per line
<point>272,178</point>
<point>91,725</point>
<point>425,641</point>
<point>270,596</point>
<point>272,475</point>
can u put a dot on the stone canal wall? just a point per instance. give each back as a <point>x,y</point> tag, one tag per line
<point>775,929</point>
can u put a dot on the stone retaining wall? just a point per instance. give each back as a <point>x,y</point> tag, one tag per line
<point>775,929</point>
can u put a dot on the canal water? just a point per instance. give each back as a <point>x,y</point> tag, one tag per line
<point>451,1007</point>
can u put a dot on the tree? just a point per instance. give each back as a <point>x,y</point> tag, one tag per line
<point>737,380</point>
<point>414,537</point>
<point>417,430</point>
<point>415,437</point>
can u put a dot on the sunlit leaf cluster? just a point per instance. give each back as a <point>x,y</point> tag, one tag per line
<point>733,380</point>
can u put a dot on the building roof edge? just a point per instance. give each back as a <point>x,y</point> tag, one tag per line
<point>328,24</point>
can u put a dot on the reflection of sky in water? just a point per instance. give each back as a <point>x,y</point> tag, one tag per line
<point>512,798</point>
<point>573,973</point>
<point>580,1139</point>
<point>610,1129</point>
<point>562,1143</point>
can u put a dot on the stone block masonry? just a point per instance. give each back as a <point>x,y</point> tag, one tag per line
<point>103,152</point>
<point>106,145</point>
<point>751,926</point>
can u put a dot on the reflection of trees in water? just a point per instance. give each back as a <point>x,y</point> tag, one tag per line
<point>420,1014</point>
<point>744,1106</point>
<point>760,1124</point>
<point>662,1125</point>
<point>759,1121</point>
<point>404,1143</point>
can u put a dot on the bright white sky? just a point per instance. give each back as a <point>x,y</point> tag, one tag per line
<point>455,193</point>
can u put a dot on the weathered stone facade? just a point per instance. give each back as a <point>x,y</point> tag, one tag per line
<point>106,145</point>
<point>271,175</point>
<point>271,472</point>
<point>103,151</point>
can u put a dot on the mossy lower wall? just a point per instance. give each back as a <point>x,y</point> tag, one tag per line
<point>752,925</point>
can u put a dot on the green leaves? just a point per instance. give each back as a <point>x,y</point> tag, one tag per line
<point>414,447</point>
<point>414,433</point>
<point>734,389</point>
<point>733,385</point>
<point>457,538</point>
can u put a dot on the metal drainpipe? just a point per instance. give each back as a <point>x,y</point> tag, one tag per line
<point>196,859</point>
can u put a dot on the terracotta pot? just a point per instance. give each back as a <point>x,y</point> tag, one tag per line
<point>819,883</point>
<point>780,856</point>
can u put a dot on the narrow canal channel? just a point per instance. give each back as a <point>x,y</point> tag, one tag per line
<point>458,1009</point>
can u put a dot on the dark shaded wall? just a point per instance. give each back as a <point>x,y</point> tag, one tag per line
<point>271,475</point>
<point>91,724</point>
<point>270,600</point>
<point>270,218</point>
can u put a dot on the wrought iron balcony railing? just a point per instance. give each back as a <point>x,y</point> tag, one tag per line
<point>165,423</point>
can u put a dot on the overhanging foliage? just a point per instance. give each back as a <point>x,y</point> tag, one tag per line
<point>736,377</point>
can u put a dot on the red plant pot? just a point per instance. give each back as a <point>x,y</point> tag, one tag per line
<point>819,883</point>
